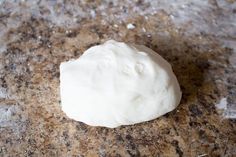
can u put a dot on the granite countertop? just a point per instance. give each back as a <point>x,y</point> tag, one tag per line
<point>197,38</point>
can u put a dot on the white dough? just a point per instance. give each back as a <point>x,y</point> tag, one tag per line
<point>117,84</point>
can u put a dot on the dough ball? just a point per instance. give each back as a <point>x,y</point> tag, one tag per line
<point>117,84</point>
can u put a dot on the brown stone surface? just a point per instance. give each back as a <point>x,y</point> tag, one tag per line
<point>33,46</point>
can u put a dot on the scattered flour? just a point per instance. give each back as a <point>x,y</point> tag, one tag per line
<point>222,104</point>
<point>11,117</point>
<point>226,111</point>
<point>69,14</point>
<point>6,114</point>
<point>130,26</point>
<point>3,93</point>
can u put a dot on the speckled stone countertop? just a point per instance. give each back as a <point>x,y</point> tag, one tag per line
<point>197,38</point>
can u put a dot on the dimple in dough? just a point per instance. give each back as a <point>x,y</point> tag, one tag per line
<point>117,84</point>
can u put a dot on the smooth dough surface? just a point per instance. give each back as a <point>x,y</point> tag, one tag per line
<point>117,84</point>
